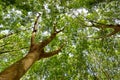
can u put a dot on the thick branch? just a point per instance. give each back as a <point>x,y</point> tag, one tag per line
<point>108,26</point>
<point>49,54</point>
<point>100,25</point>
<point>115,27</point>
<point>52,36</point>
<point>112,33</point>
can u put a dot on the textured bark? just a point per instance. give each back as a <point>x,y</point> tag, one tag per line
<point>36,52</point>
<point>19,68</point>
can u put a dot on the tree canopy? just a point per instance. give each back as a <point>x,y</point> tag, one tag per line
<point>91,37</point>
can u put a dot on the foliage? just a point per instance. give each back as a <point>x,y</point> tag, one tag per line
<point>83,56</point>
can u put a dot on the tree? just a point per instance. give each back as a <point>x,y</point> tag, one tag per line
<point>36,52</point>
<point>90,30</point>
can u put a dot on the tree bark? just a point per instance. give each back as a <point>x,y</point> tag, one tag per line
<point>36,52</point>
<point>18,69</point>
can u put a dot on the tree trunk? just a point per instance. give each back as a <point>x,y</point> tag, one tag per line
<point>36,52</point>
<point>18,69</point>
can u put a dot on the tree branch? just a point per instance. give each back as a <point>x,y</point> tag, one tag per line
<point>49,54</point>
<point>6,35</point>
<point>19,68</point>
<point>52,36</point>
<point>1,52</point>
<point>100,25</point>
<point>34,30</point>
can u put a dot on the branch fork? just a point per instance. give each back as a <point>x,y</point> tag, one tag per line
<point>116,28</point>
<point>39,47</point>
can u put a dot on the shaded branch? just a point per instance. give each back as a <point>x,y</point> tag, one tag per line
<point>6,35</point>
<point>115,27</point>
<point>109,26</point>
<point>100,25</point>
<point>49,54</point>
<point>1,52</point>
<point>5,44</point>
<point>112,33</point>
